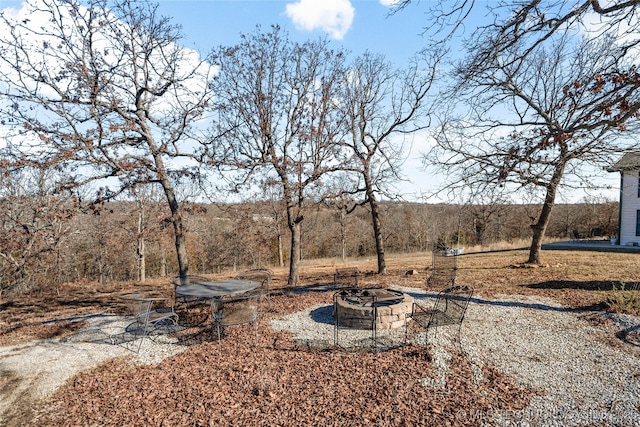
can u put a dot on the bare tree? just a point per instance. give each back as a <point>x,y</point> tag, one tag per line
<point>484,210</point>
<point>105,94</point>
<point>527,24</point>
<point>540,122</point>
<point>382,106</point>
<point>34,223</point>
<point>272,196</point>
<point>278,120</point>
<point>144,229</point>
<point>342,204</point>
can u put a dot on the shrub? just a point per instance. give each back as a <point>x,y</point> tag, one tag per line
<point>625,300</point>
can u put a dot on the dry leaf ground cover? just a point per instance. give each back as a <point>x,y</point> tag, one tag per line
<point>281,381</point>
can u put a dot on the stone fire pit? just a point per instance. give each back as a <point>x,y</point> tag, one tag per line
<point>356,308</point>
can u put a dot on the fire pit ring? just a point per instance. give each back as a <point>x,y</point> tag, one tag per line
<point>356,308</point>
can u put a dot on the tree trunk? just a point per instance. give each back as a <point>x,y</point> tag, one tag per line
<point>178,229</point>
<point>176,217</point>
<point>163,263</point>
<point>540,227</point>
<point>343,235</point>
<point>142,270</point>
<point>142,263</point>
<point>294,258</point>
<point>278,229</point>
<point>377,232</point>
<point>280,251</point>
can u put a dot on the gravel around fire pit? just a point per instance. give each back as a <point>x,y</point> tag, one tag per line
<point>585,375</point>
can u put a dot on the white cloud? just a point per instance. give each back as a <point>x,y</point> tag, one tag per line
<point>331,16</point>
<point>389,3</point>
<point>626,33</point>
<point>50,56</point>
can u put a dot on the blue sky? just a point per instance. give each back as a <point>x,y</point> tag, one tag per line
<point>356,25</point>
<point>209,23</point>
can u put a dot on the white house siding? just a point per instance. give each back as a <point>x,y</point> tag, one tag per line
<point>629,205</point>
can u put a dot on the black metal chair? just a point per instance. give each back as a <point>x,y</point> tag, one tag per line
<point>148,317</point>
<point>263,291</point>
<point>346,316</point>
<point>236,310</point>
<point>444,267</point>
<point>346,277</point>
<point>449,309</point>
<point>193,311</point>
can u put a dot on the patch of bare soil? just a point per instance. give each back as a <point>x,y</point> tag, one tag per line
<point>13,385</point>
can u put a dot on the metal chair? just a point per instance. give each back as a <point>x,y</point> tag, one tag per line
<point>345,317</point>
<point>347,276</point>
<point>193,311</point>
<point>237,310</point>
<point>148,318</point>
<point>449,309</point>
<point>444,266</point>
<point>263,292</point>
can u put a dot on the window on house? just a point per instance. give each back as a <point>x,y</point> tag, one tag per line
<point>638,184</point>
<point>638,223</point>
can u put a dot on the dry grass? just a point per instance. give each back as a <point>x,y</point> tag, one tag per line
<point>579,279</point>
